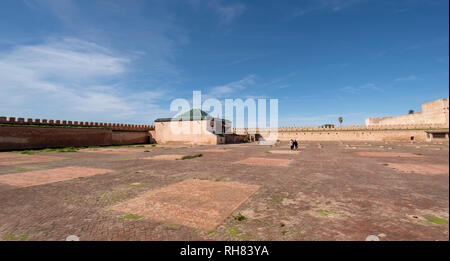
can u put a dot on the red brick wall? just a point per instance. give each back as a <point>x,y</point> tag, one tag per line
<point>129,137</point>
<point>26,137</point>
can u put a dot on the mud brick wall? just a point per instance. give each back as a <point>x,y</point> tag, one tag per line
<point>130,137</point>
<point>417,132</point>
<point>20,133</point>
<point>24,137</point>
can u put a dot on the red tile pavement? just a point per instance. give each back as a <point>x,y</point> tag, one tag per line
<point>39,177</point>
<point>201,204</point>
<point>265,162</point>
<point>8,158</point>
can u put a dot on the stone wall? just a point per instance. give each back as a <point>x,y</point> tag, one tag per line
<point>17,134</point>
<point>130,137</point>
<point>383,135</point>
<point>186,132</point>
<point>63,123</point>
<point>415,132</point>
<point>435,112</point>
<point>22,137</point>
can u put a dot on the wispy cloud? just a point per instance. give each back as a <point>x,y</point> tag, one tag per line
<point>71,78</point>
<point>279,80</point>
<point>227,12</point>
<point>232,87</point>
<point>429,43</point>
<point>407,78</point>
<point>243,60</point>
<point>359,89</point>
<point>322,5</point>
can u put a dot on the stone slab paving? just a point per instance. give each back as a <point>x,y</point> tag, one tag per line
<point>113,151</point>
<point>217,150</point>
<point>389,154</point>
<point>284,152</point>
<point>201,204</point>
<point>164,157</point>
<point>327,193</point>
<point>7,158</point>
<point>420,168</point>
<point>265,161</point>
<point>39,177</point>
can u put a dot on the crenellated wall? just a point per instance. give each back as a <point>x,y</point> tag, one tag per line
<point>415,132</point>
<point>435,112</point>
<point>18,133</point>
<point>63,123</point>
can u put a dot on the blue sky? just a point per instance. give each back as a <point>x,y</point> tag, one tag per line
<point>125,61</point>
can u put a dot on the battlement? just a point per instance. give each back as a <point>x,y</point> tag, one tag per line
<point>76,124</point>
<point>344,128</point>
<point>434,112</point>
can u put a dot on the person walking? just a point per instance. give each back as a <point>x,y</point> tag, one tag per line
<point>291,143</point>
<point>295,145</point>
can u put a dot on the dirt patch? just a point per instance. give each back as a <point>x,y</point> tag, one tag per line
<point>165,157</point>
<point>201,204</point>
<point>7,159</point>
<point>39,177</point>
<point>113,151</point>
<point>265,162</point>
<point>216,150</point>
<point>389,154</point>
<point>284,152</point>
<point>420,168</point>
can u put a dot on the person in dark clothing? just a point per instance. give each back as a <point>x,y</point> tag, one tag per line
<point>295,145</point>
<point>291,143</point>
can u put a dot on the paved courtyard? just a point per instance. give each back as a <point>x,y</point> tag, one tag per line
<point>326,191</point>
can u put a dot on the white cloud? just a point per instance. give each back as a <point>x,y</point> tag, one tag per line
<point>69,59</point>
<point>70,78</point>
<point>323,5</point>
<point>358,89</point>
<point>232,87</point>
<point>227,12</point>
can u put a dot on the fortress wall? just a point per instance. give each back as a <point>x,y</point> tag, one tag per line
<point>351,133</point>
<point>18,133</point>
<point>23,137</point>
<point>130,137</point>
<point>63,123</point>
<point>385,135</point>
<point>435,112</point>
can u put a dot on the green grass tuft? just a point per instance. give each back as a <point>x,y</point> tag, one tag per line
<point>9,237</point>
<point>191,156</point>
<point>240,217</point>
<point>232,232</point>
<point>12,236</point>
<point>436,220</point>
<point>326,212</point>
<point>131,216</point>
<point>28,152</point>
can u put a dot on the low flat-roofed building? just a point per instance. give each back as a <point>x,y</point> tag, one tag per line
<point>193,127</point>
<point>437,135</point>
